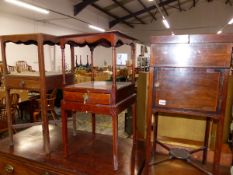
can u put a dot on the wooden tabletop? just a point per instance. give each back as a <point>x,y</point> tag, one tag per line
<point>96,85</point>
<point>88,155</point>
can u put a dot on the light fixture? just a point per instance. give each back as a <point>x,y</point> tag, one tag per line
<point>219,32</point>
<point>231,21</point>
<point>96,28</point>
<point>165,23</point>
<point>172,33</point>
<point>150,0</point>
<point>28,6</point>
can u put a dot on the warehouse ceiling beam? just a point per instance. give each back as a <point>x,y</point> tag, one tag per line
<point>116,21</point>
<point>82,5</point>
<point>112,15</point>
<point>149,12</point>
<point>127,10</point>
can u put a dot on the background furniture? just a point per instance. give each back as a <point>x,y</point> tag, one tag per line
<point>50,99</point>
<point>3,120</point>
<point>109,98</point>
<point>189,76</point>
<point>22,66</point>
<point>38,81</point>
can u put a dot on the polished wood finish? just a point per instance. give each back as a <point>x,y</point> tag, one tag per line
<point>108,98</point>
<point>88,155</point>
<point>189,76</point>
<point>179,167</point>
<point>40,83</point>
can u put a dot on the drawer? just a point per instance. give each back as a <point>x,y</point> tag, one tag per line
<point>12,167</point>
<point>16,82</point>
<point>188,89</point>
<point>88,98</point>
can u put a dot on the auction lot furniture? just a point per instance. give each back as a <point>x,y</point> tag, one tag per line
<point>41,81</point>
<point>109,98</point>
<point>189,77</point>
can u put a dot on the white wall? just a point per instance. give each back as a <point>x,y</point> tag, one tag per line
<point>16,25</point>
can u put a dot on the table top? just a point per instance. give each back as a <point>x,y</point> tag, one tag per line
<point>96,85</point>
<point>85,152</point>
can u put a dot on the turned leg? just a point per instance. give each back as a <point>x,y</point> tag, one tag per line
<point>115,141</point>
<point>74,117</point>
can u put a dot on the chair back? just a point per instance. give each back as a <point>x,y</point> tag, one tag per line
<point>53,93</point>
<point>3,121</point>
<point>14,99</point>
<point>3,101</point>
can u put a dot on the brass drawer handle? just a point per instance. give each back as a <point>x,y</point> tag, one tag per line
<point>85,98</point>
<point>46,173</point>
<point>157,84</point>
<point>22,84</point>
<point>9,168</point>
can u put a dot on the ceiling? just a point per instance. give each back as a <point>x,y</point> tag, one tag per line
<point>138,18</point>
<point>134,12</point>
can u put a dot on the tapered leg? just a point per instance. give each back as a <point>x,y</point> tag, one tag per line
<point>93,123</point>
<point>155,128</point>
<point>206,140</point>
<point>74,117</point>
<point>115,141</point>
<point>64,132</point>
<point>218,146</point>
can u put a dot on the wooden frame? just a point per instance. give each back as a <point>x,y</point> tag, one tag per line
<point>40,83</point>
<point>197,86</point>
<point>109,98</point>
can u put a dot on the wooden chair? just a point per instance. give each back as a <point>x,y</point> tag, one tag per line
<point>50,106</point>
<point>14,98</point>
<point>3,121</point>
<point>22,66</point>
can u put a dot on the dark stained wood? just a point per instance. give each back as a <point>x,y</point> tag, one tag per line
<point>108,98</point>
<point>88,155</point>
<point>185,55</point>
<point>189,76</point>
<point>199,92</point>
<point>106,39</point>
<point>179,167</point>
<point>40,82</point>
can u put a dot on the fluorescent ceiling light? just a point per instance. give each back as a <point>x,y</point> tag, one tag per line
<point>28,6</point>
<point>96,28</point>
<point>219,32</point>
<point>231,21</point>
<point>166,24</point>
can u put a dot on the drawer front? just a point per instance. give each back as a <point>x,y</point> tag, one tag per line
<point>88,98</point>
<point>12,167</point>
<point>22,83</point>
<point>192,55</point>
<point>187,89</point>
